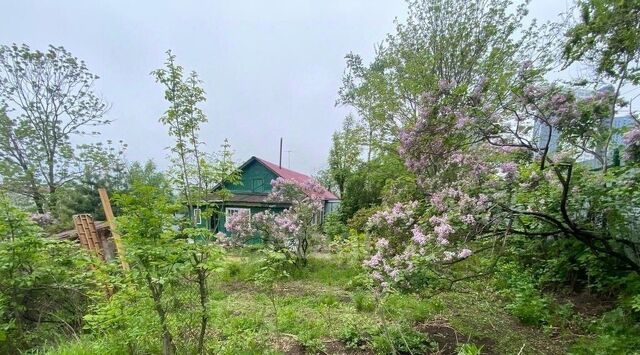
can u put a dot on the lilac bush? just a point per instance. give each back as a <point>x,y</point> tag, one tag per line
<point>291,230</point>
<point>481,176</point>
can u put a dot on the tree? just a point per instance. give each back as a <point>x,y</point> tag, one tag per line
<point>48,98</point>
<point>420,57</point>
<point>146,224</point>
<point>481,177</point>
<point>183,118</point>
<point>194,174</point>
<point>607,37</point>
<point>344,156</point>
<point>220,168</point>
<point>108,170</point>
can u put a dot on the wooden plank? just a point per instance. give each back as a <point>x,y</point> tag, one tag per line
<point>87,234</point>
<point>93,235</point>
<point>80,231</point>
<point>108,212</point>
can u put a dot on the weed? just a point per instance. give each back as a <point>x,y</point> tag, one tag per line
<point>469,349</point>
<point>363,302</point>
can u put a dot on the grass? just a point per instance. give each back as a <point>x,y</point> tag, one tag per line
<point>322,310</point>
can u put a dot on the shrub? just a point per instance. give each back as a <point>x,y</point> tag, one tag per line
<point>525,301</point>
<point>359,219</point>
<point>357,332</point>
<point>615,333</point>
<point>333,227</point>
<point>45,284</point>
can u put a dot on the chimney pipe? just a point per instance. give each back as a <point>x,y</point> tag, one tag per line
<point>280,162</point>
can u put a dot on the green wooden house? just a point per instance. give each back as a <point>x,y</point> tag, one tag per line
<point>252,193</point>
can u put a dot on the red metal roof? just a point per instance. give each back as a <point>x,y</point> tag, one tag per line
<point>294,175</point>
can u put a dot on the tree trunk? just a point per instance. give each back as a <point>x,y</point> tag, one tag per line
<point>168,347</point>
<point>202,283</point>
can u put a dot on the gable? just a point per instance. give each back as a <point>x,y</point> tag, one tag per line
<point>254,178</point>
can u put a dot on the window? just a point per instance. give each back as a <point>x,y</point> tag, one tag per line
<point>229,211</point>
<point>197,216</point>
<point>257,185</point>
<point>317,218</point>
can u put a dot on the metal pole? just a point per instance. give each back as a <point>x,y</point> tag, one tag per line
<point>280,162</point>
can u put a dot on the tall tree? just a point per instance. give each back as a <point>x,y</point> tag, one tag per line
<point>183,119</point>
<point>344,156</point>
<point>48,98</point>
<point>420,57</point>
<point>607,38</point>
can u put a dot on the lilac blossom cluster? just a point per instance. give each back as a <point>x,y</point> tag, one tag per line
<point>239,224</point>
<point>632,141</point>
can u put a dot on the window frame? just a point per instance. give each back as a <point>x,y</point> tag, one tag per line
<point>197,212</point>
<point>229,211</point>
<point>255,188</point>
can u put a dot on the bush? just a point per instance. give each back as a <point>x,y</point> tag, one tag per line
<point>359,219</point>
<point>45,284</point>
<point>357,333</point>
<point>525,301</point>
<point>615,333</point>
<point>333,227</point>
<point>350,250</point>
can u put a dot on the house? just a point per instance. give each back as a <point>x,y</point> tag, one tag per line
<point>252,193</point>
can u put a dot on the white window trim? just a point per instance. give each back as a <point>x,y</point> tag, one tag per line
<point>197,216</point>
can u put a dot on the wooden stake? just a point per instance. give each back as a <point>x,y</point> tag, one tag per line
<point>106,206</point>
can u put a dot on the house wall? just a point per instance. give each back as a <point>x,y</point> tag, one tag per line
<point>255,178</point>
<point>254,210</point>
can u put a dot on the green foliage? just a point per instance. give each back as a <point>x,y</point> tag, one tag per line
<point>344,155</point>
<point>333,227</point>
<point>401,339</point>
<point>37,156</point>
<point>358,332</point>
<point>360,218</point>
<point>274,266</point>
<point>366,184</point>
<point>608,34</point>
<point>469,349</point>
<point>364,302</point>
<point>350,250</point>
<point>525,301</point>
<point>157,258</point>
<point>614,333</point>
<point>45,285</point>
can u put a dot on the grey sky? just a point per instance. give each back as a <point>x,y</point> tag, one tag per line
<point>270,68</point>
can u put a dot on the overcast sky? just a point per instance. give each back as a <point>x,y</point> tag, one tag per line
<point>270,68</point>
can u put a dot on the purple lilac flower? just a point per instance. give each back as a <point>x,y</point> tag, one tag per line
<point>464,253</point>
<point>418,236</point>
<point>382,244</point>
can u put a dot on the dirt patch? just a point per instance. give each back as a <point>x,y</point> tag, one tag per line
<point>448,338</point>
<point>288,345</point>
<point>586,303</point>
